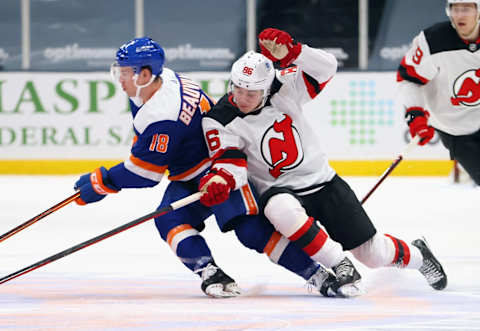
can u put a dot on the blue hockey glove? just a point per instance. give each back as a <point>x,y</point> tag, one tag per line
<point>94,186</point>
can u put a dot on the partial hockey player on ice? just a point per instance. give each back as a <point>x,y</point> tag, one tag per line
<point>167,109</point>
<point>439,79</point>
<point>258,131</point>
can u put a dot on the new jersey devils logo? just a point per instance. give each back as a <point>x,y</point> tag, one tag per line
<point>281,147</point>
<point>466,89</point>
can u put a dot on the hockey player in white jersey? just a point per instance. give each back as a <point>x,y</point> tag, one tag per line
<point>439,79</point>
<point>167,109</point>
<point>258,131</point>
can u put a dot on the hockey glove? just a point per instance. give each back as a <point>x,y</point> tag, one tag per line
<point>94,186</point>
<point>215,187</point>
<point>278,45</point>
<point>417,119</point>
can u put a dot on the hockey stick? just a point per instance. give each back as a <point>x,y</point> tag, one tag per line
<point>39,217</point>
<point>173,206</point>
<point>395,163</point>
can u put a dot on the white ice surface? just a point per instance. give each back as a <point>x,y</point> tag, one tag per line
<point>133,281</point>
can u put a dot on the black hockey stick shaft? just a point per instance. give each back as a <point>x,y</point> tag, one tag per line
<point>382,178</point>
<point>39,216</point>
<point>175,205</point>
<point>395,163</point>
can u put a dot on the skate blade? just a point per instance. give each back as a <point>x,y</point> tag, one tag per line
<point>237,291</point>
<point>350,291</point>
<point>217,291</point>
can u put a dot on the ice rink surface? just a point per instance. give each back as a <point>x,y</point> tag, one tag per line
<point>133,281</point>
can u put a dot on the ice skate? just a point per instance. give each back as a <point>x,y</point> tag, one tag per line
<point>322,280</point>
<point>347,280</point>
<point>431,268</point>
<point>217,284</point>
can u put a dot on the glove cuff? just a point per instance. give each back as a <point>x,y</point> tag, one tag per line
<point>292,55</point>
<point>225,175</point>
<point>414,112</point>
<point>100,182</point>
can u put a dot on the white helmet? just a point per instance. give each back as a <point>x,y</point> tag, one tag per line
<point>253,71</point>
<point>451,2</point>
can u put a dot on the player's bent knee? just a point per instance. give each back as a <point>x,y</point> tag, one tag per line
<point>374,253</point>
<point>286,213</point>
<point>254,232</point>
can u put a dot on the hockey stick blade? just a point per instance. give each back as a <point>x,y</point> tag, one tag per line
<point>175,205</point>
<point>395,163</point>
<point>39,216</point>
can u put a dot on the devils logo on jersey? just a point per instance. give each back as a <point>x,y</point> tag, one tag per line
<point>281,147</point>
<point>466,89</point>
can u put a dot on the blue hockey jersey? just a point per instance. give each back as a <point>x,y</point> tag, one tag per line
<point>168,135</point>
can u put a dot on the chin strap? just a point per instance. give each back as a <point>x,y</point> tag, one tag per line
<point>137,100</point>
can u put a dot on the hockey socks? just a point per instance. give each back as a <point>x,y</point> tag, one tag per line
<point>285,253</point>
<point>189,246</point>
<point>317,244</point>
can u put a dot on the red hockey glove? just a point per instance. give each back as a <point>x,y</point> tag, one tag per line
<point>417,119</point>
<point>94,186</point>
<point>278,45</point>
<point>215,187</point>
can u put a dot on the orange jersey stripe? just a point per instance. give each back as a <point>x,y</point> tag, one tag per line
<point>204,105</point>
<point>147,165</point>
<point>189,171</point>
<point>272,242</point>
<point>248,196</point>
<point>134,140</point>
<point>176,230</point>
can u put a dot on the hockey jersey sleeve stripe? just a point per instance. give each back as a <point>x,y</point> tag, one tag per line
<point>237,162</point>
<point>408,72</point>
<point>147,165</point>
<point>192,172</point>
<point>145,169</point>
<point>229,153</point>
<point>249,200</point>
<point>230,156</point>
<point>313,86</point>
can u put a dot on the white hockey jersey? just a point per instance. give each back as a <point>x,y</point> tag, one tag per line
<point>441,73</point>
<point>281,147</point>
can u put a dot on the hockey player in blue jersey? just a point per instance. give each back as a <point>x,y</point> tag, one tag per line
<point>167,110</point>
